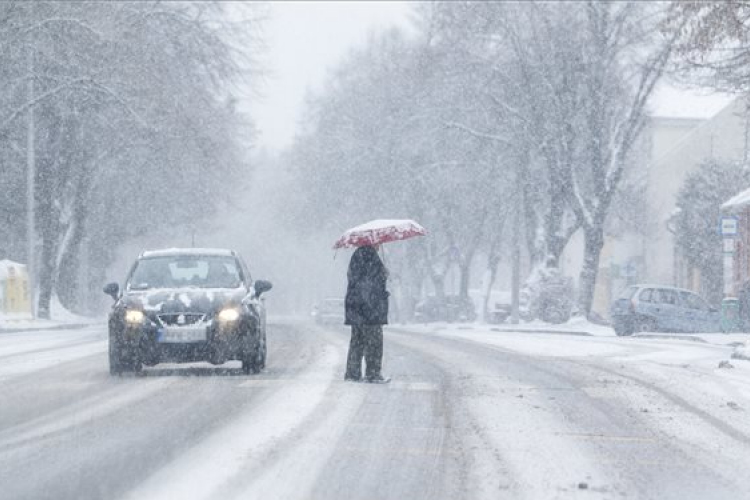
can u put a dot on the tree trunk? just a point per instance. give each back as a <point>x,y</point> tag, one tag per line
<point>464,268</point>
<point>492,262</point>
<point>593,243</point>
<point>67,284</point>
<point>46,274</point>
<point>48,223</point>
<point>438,281</point>
<point>464,278</point>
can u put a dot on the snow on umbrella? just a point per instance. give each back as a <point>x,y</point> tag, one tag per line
<point>379,231</point>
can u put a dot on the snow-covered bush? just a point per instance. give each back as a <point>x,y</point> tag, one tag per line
<point>548,295</point>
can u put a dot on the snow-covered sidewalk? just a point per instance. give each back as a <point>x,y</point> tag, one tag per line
<point>578,327</point>
<point>709,371</point>
<point>61,319</point>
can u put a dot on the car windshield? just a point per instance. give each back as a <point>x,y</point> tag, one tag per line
<point>185,272</point>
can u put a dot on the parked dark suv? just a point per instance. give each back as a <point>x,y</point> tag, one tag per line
<point>187,305</point>
<point>654,308</point>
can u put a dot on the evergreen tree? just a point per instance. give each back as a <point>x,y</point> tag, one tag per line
<point>699,209</point>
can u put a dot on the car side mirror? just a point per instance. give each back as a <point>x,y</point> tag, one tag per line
<point>261,287</point>
<point>112,289</point>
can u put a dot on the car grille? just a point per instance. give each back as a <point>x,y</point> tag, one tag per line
<point>181,319</point>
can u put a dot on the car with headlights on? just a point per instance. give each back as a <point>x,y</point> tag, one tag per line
<point>187,305</point>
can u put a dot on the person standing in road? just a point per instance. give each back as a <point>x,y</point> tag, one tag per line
<point>366,311</point>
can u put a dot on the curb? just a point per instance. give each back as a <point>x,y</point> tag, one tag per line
<point>669,337</point>
<point>66,326</point>
<point>574,333</point>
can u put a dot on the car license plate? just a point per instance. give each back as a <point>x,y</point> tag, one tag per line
<point>182,335</point>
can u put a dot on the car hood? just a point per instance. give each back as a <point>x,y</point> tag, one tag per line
<point>195,300</point>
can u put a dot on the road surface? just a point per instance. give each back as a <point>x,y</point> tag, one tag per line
<point>464,418</point>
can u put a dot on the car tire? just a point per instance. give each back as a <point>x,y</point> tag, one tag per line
<point>623,329</point>
<point>118,365</point>
<point>136,365</point>
<point>253,360</point>
<point>646,325</point>
<point>263,352</point>
<point>250,364</point>
<point>115,363</point>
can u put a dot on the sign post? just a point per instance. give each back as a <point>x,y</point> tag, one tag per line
<point>729,231</point>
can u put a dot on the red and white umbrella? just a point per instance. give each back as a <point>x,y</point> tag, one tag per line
<point>379,231</point>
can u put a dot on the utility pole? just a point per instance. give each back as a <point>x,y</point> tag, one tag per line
<point>30,174</point>
<point>515,285</point>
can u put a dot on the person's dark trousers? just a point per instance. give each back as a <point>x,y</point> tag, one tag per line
<point>367,342</point>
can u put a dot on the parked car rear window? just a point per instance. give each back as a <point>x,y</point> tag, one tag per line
<point>646,295</point>
<point>693,301</point>
<point>666,296</point>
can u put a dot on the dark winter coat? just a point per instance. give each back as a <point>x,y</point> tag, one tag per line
<point>366,296</point>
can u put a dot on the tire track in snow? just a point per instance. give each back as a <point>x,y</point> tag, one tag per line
<point>81,413</point>
<point>610,427</point>
<point>210,464</point>
<point>521,457</point>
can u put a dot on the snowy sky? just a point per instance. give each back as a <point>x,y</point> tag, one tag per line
<point>307,38</point>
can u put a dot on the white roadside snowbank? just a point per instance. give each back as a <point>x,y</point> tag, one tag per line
<point>60,317</point>
<point>741,352</point>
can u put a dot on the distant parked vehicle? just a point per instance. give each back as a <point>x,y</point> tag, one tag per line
<point>451,308</point>
<point>329,311</point>
<point>655,308</point>
<point>499,312</point>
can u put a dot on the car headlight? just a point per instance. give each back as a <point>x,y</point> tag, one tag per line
<point>134,316</point>
<point>228,315</point>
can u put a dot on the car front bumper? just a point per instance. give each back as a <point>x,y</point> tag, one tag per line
<point>218,344</point>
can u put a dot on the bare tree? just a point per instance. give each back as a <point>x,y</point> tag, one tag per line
<point>713,47</point>
<point>134,120</point>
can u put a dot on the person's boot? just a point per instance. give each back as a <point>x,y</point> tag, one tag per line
<point>377,379</point>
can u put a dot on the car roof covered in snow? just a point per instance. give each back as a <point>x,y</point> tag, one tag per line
<point>670,287</point>
<point>173,252</point>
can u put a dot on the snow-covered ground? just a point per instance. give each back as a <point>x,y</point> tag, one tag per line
<point>473,412</point>
<point>60,318</point>
<point>710,369</point>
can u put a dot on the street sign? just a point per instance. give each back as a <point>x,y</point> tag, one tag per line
<point>728,245</point>
<point>729,226</point>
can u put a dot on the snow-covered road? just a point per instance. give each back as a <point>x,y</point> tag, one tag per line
<point>469,414</point>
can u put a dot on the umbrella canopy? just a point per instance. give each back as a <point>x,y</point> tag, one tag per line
<point>379,231</point>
